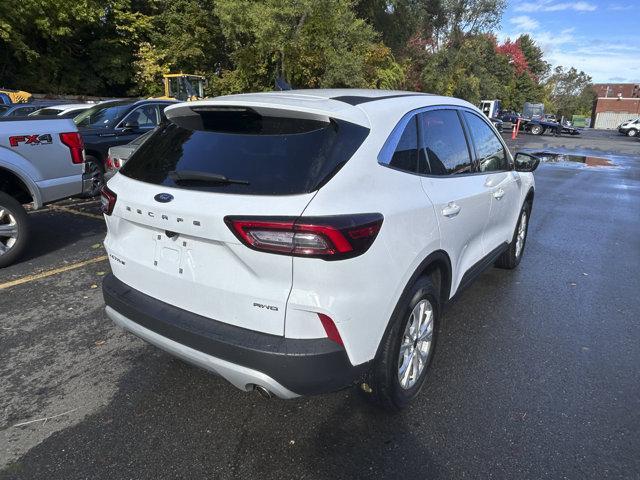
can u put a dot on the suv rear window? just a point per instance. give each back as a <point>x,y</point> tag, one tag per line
<point>270,155</point>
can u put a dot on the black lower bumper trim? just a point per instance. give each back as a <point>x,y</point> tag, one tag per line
<point>303,366</point>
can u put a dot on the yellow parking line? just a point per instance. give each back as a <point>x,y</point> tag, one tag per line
<point>76,212</point>
<point>49,273</point>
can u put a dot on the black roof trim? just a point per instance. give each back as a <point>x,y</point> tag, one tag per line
<point>357,100</point>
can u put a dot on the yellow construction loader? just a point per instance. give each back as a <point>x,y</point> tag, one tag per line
<point>184,87</point>
<point>16,96</point>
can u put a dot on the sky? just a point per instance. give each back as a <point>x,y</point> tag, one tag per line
<point>600,37</point>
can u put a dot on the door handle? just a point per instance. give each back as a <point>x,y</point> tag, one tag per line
<point>451,210</point>
<point>498,194</point>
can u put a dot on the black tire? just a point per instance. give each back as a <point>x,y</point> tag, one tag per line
<point>537,130</point>
<point>632,132</point>
<point>383,386</point>
<point>510,259</point>
<point>96,168</point>
<point>11,208</point>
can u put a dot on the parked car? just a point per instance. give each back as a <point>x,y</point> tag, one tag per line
<point>24,109</point>
<point>630,128</point>
<point>118,155</point>
<point>17,110</point>
<point>301,242</point>
<point>41,161</point>
<point>62,111</point>
<point>112,123</point>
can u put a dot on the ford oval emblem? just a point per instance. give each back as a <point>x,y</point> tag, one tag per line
<point>163,197</point>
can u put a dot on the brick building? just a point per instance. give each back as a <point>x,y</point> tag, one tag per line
<point>616,103</point>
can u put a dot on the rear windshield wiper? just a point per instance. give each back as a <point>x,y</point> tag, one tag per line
<point>194,176</point>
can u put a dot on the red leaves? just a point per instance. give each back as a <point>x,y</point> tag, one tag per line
<point>515,54</point>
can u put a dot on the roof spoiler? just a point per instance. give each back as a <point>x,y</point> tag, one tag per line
<point>286,105</point>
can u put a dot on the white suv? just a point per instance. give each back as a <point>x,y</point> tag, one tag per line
<point>300,242</point>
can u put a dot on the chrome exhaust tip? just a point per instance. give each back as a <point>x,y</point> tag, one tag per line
<point>264,393</point>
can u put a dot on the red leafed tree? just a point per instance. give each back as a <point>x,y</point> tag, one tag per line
<point>515,54</point>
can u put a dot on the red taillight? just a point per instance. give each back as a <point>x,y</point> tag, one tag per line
<point>330,329</point>
<point>107,200</point>
<point>73,140</point>
<point>330,238</point>
<point>112,163</point>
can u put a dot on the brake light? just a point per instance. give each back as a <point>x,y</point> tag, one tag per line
<point>108,163</point>
<point>107,200</point>
<point>74,141</point>
<point>330,238</point>
<point>330,329</point>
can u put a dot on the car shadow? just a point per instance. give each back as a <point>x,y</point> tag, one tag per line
<point>169,417</point>
<point>53,230</point>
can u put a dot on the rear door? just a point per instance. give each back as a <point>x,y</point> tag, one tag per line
<point>451,182</point>
<point>168,238</point>
<point>501,182</point>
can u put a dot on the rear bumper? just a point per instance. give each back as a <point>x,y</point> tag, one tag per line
<point>286,367</point>
<point>55,189</point>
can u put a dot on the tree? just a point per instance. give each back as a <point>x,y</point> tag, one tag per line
<point>473,72</point>
<point>185,37</point>
<point>515,55</point>
<point>57,46</point>
<point>570,92</point>
<point>396,20</point>
<point>308,43</point>
<point>534,56</point>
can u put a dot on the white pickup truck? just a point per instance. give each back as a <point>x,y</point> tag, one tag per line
<point>41,161</point>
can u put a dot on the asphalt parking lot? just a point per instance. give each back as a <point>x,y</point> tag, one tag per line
<point>536,375</point>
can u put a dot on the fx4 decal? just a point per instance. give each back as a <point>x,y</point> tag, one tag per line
<point>16,140</point>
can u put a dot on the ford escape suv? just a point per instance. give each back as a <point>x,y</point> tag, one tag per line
<point>300,242</point>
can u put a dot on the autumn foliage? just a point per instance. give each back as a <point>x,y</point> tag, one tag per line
<point>515,54</point>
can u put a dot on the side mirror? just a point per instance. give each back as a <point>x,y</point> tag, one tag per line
<point>525,162</point>
<point>130,126</point>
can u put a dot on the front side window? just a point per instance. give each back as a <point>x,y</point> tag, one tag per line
<point>491,154</point>
<point>443,144</point>
<point>405,156</point>
<point>145,117</point>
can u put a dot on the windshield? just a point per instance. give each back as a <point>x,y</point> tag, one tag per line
<point>269,155</point>
<point>101,116</point>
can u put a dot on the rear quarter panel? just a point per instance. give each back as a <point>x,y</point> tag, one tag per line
<point>360,294</point>
<point>45,161</point>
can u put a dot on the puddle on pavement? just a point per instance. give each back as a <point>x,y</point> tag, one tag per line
<point>587,160</point>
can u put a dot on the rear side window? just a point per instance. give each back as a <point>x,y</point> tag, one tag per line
<point>249,153</point>
<point>443,144</point>
<point>405,157</point>
<point>489,150</point>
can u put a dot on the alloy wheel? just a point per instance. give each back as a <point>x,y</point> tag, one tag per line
<point>522,233</point>
<point>416,344</point>
<point>8,230</point>
<point>97,178</point>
